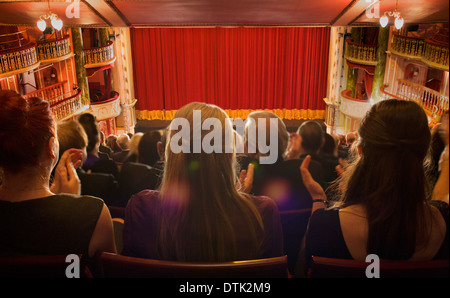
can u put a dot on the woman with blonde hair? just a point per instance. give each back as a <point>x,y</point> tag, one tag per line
<point>198,214</point>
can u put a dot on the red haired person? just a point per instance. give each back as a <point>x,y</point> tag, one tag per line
<point>36,218</point>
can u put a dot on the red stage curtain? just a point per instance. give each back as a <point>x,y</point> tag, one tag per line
<point>239,69</point>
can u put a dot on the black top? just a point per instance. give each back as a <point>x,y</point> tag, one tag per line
<point>55,225</point>
<point>324,236</point>
<point>282,182</point>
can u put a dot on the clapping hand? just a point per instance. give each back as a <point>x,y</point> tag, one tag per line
<point>245,182</point>
<point>315,190</point>
<point>66,179</point>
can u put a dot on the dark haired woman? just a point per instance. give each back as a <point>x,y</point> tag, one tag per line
<point>385,208</point>
<point>93,162</point>
<point>33,219</point>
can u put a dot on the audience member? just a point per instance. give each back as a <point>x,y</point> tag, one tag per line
<point>438,143</point>
<point>342,147</point>
<point>198,214</point>
<point>308,140</point>
<point>111,142</point>
<point>329,160</point>
<point>346,150</point>
<point>350,138</point>
<point>133,154</point>
<point>385,207</point>
<point>161,147</point>
<point>281,181</point>
<point>330,146</point>
<point>148,148</point>
<point>72,135</point>
<point>48,220</point>
<point>103,149</point>
<point>93,162</point>
<point>123,141</point>
<point>142,173</point>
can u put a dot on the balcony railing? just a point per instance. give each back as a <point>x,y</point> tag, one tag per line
<point>430,52</point>
<point>16,60</point>
<point>433,102</point>
<point>100,56</point>
<point>361,53</point>
<point>70,105</point>
<point>63,104</point>
<point>436,55</point>
<point>17,54</point>
<point>53,49</point>
<point>52,93</point>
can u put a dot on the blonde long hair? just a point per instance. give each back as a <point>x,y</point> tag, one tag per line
<point>200,201</point>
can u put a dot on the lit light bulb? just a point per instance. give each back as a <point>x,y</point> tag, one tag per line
<point>41,25</point>
<point>57,23</point>
<point>399,22</point>
<point>384,21</point>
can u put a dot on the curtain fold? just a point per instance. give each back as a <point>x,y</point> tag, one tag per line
<point>239,69</point>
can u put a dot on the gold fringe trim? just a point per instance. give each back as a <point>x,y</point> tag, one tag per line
<point>288,114</point>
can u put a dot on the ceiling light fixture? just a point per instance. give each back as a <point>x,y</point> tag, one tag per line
<point>56,22</point>
<point>384,20</point>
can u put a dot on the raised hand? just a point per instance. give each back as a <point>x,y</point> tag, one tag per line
<point>66,179</point>
<point>315,190</point>
<point>245,182</point>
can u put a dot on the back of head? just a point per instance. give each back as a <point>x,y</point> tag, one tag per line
<point>282,132</point>
<point>26,126</point>
<point>123,141</point>
<point>89,124</point>
<point>198,190</point>
<point>134,142</point>
<point>330,145</point>
<point>111,142</point>
<point>148,150</point>
<point>312,136</point>
<point>350,138</point>
<point>388,178</point>
<point>71,135</point>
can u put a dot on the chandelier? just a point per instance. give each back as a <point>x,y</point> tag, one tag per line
<point>56,22</point>
<point>384,20</point>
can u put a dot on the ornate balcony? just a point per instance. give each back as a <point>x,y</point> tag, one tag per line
<point>100,56</point>
<point>18,59</point>
<point>54,50</point>
<point>52,93</point>
<point>108,108</point>
<point>63,104</point>
<point>353,110</point>
<point>69,106</point>
<point>433,102</point>
<point>353,107</point>
<point>361,53</point>
<point>436,55</point>
<point>432,53</point>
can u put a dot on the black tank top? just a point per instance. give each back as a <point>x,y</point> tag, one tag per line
<point>55,225</point>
